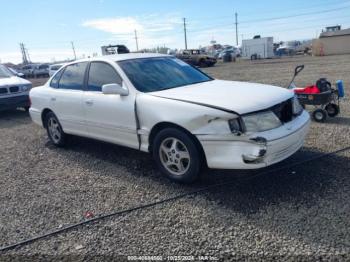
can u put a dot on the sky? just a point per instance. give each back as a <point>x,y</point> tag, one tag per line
<point>48,27</point>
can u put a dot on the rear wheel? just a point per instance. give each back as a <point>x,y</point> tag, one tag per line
<point>319,115</point>
<point>54,130</point>
<point>332,109</point>
<point>177,155</point>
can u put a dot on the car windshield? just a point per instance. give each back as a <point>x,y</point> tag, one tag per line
<point>43,66</point>
<point>4,72</point>
<point>160,73</point>
<point>55,67</point>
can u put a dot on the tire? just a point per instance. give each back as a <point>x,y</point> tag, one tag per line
<point>319,115</point>
<point>54,130</point>
<point>332,109</point>
<point>177,155</point>
<point>202,63</point>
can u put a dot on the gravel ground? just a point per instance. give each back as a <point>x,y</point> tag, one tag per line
<point>300,213</point>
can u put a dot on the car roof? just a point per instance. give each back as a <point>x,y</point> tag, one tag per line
<point>128,56</point>
<point>120,57</point>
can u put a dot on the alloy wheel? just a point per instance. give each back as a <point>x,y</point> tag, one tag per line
<point>54,130</point>
<point>174,156</point>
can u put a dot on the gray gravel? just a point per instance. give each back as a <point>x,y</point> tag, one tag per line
<point>297,214</point>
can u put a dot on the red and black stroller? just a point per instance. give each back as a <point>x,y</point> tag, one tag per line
<point>322,96</point>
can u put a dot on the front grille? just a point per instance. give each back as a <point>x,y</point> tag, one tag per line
<point>14,89</point>
<point>3,90</point>
<point>284,111</point>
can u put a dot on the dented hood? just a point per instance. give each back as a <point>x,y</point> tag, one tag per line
<point>240,97</point>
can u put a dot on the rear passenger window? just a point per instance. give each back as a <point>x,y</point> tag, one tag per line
<point>73,77</point>
<point>101,74</point>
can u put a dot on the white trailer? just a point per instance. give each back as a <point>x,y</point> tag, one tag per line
<point>257,48</point>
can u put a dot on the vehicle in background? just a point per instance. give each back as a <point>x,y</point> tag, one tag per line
<point>196,58</point>
<point>184,118</point>
<point>257,48</point>
<point>293,48</point>
<point>14,90</point>
<point>41,70</point>
<point>233,52</point>
<point>28,70</point>
<point>114,49</point>
<point>15,72</point>
<point>53,68</point>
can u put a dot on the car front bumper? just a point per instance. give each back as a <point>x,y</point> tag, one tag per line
<point>13,102</point>
<point>258,150</point>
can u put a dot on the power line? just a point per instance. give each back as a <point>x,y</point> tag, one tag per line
<point>214,26</point>
<point>296,15</point>
<point>272,12</point>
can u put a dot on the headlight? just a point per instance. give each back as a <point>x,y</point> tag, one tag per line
<point>26,88</point>
<point>235,126</point>
<point>261,121</point>
<point>297,108</point>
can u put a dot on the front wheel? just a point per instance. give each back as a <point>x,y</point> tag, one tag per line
<point>319,115</point>
<point>177,155</point>
<point>54,130</point>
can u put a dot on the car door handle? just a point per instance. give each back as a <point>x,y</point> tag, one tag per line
<point>89,102</point>
<point>53,98</point>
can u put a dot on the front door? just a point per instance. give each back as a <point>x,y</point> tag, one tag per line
<point>109,117</point>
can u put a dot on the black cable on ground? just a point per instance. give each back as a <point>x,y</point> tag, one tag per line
<point>129,210</point>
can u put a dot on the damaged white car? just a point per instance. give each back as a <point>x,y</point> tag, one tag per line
<point>183,117</point>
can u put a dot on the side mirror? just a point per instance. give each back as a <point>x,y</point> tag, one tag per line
<point>20,74</point>
<point>114,89</point>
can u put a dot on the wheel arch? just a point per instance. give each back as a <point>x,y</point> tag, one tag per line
<point>43,115</point>
<point>162,125</point>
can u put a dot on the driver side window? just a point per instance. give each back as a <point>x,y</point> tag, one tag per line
<point>100,74</point>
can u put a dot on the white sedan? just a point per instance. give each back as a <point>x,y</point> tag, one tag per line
<point>183,117</point>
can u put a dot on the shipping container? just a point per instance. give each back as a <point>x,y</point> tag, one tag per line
<point>257,48</point>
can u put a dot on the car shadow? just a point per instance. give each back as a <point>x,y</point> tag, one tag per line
<point>274,181</point>
<point>280,190</point>
<point>12,118</point>
<point>338,120</point>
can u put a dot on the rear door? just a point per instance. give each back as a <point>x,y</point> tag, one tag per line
<point>66,98</point>
<point>109,117</point>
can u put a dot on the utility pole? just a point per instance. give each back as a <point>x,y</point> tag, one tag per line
<point>185,33</point>
<point>236,23</point>
<point>25,59</point>
<point>75,55</point>
<point>27,54</point>
<point>137,43</point>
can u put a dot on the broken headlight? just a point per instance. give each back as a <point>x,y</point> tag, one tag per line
<point>297,108</point>
<point>262,121</point>
<point>235,126</point>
